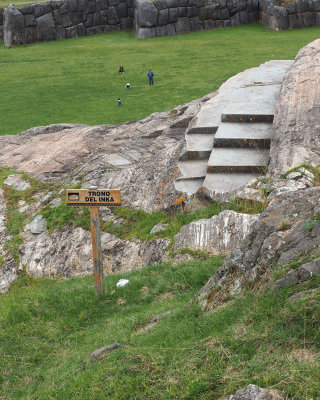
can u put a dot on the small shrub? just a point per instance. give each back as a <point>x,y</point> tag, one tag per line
<point>311,223</point>
<point>284,225</point>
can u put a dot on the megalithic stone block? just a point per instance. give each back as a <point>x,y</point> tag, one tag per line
<point>13,29</point>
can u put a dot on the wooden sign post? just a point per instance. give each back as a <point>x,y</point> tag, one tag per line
<point>95,198</point>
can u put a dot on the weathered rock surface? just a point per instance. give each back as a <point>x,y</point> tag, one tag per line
<point>13,25</point>
<point>253,392</point>
<point>37,225</point>
<point>302,274</point>
<point>8,272</point>
<point>219,234</point>
<point>68,252</point>
<point>279,236</point>
<point>17,182</point>
<point>296,137</point>
<point>140,158</point>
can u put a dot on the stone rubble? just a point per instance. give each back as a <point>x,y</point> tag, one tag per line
<point>302,274</point>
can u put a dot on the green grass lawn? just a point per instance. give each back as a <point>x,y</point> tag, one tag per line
<point>48,329</point>
<point>19,3</point>
<point>77,80</point>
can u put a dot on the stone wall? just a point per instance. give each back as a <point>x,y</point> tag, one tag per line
<point>58,20</point>
<point>168,17</point>
<point>1,22</point>
<point>295,14</point>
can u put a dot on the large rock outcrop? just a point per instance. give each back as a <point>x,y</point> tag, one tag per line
<point>68,252</point>
<point>296,136</point>
<point>220,234</point>
<point>288,230</point>
<point>140,157</point>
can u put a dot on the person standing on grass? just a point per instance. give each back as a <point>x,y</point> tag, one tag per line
<point>150,76</point>
<point>119,102</point>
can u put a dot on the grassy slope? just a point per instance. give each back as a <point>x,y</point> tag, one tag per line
<point>77,80</point>
<point>48,329</point>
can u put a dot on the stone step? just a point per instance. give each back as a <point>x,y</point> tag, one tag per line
<point>248,118</point>
<point>256,135</point>
<point>251,103</point>
<point>192,169</point>
<point>269,73</point>
<point>199,142</point>
<point>195,155</point>
<point>225,182</point>
<point>233,160</point>
<point>189,186</point>
<point>205,126</point>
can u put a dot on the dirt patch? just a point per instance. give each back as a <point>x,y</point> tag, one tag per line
<point>304,355</point>
<point>165,296</point>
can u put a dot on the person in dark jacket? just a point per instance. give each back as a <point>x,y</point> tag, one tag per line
<point>150,76</point>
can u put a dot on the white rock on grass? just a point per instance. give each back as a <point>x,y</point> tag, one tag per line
<point>158,228</point>
<point>122,282</point>
<point>38,225</point>
<point>24,209</point>
<point>118,222</point>
<point>46,198</point>
<point>17,182</point>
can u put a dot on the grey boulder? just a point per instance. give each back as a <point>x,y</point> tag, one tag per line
<point>13,28</point>
<point>38,225</point>
<point>147,13</point>
<point>253,392</point>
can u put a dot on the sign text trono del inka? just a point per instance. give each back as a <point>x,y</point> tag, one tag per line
<point>95,198</point>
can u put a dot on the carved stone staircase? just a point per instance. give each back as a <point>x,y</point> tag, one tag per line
<point>228,143</point>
